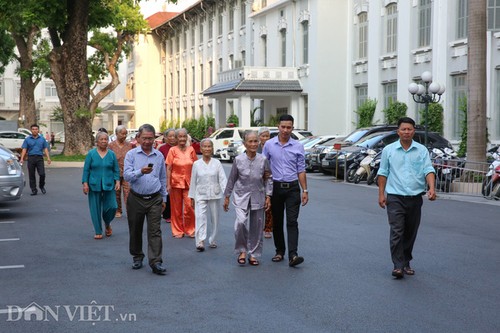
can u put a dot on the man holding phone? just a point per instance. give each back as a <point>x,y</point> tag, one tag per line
<point>145,171</point>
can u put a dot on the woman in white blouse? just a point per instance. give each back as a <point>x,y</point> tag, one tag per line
<point>208,182</point>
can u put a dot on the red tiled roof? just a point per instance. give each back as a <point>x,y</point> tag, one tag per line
<point>159,18</point>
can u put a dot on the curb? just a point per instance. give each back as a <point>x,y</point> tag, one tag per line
<point>59,164</point>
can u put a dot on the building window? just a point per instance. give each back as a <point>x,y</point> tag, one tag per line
<point>424,23</point>
<point>390,93</point>
<point>177,44</point>
<point>231,61</point>
<point>193,35</point>
<point>462,11</point>
<point>361,95</point>
<point>243,12</point>
<point>202,78</point>
<point>17,91</point>
<point>178,83</point>
<point>193,79</point>
<point>243,58</point>
<point>305,42</point>
<point>392,28</point>
<point>459,92</point>
<point>283,47</point>
<point>50,89</point>
<point>220,22</point>
<point>264,49</point>
<point>171,84</point>
<point>281,111</point>
<point>210,26</point>
<point>185,41</point>
<point>232,9</point>
<point>1,89</point>
<point>201,32</point>
<point>264,3</point>
<point>211,72</point>
<point>185,81</point>
<point>493,15</point>
<point>219,68</point>
<point>363,35</point>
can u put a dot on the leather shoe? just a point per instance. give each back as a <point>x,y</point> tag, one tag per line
<point>158,269</point>
<point>43,190</point>
<point>34,192</point>
<point>296,260</point>
<point>137,264</point>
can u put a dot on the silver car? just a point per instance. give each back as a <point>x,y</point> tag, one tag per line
<point>11,176</point>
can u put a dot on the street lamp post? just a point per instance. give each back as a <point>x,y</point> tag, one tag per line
<point>428,92</point>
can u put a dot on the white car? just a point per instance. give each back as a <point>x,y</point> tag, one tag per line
<point>12,140</point>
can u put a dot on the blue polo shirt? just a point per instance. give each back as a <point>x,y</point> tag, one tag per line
<point>35,146</point>
<point>405,169</point>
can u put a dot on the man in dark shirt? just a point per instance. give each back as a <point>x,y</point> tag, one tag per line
<point>35,146</point>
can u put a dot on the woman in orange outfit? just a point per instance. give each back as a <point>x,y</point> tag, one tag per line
<point>179,162</point>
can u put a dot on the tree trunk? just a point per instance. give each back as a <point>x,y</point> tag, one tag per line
<point>68,64</point>
<point>27,107</point>
<point>476,73</point>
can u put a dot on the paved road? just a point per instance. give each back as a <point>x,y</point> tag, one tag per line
<point>343,286</point>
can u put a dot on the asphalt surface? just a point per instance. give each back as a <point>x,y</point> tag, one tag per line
<point>49,256</point>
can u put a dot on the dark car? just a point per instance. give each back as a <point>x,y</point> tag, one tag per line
<point>316,154</point>
<point>375,141</point>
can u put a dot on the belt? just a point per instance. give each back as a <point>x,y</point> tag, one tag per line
<point>286,184</point>
<point>408,196</point>
<point>145,196</point>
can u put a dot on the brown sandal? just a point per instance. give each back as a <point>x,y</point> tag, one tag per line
<point>252,261</point>
<point>242,258</point>
<point>98,237</point>
<point>409,271</point>
<point>398,273</point>
<point>277,258</point>
<point>109,231</point>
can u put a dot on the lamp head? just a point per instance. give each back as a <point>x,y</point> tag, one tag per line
<point>427,76</point>
<point>413,88</point>
<point>434,87</point>
<point>442,88</point>
<point>421,90</point>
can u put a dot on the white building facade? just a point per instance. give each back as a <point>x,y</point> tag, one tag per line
<point>320,60</point>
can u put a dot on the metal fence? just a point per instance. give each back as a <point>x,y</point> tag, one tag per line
<point>458,177</point>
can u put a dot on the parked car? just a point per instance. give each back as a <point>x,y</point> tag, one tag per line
<point>236,147</point>
<point>297,134</point>
<point>12,140</point>
<point>11,176</point>
<point>316,154</point>
<point>375,141</point>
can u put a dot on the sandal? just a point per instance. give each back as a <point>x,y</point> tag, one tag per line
<point>109,231</point>
<point>213,246</point>
<point>397,273</point>
<point>98,237</point>
<point>252,261</point>
<point>242,258</point>
<point>409,271</point>
<point>277,258</point>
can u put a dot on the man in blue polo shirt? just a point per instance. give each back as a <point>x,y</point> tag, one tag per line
<point>405,169</point>
<point>36,145</point>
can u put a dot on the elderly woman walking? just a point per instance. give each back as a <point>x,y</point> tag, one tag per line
<point>120,147</point>
<point>179,162</point>
<point>264,135</point>
<point>208,182</point>
<point>252,186</point>
<point>100,179</point>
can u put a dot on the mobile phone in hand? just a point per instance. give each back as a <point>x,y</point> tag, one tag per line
<point>150,165</point>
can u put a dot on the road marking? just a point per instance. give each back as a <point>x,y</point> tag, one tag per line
<point>5,222</point>
<point>9,239</point>
<point>4,209</point>
<point>11,266</point>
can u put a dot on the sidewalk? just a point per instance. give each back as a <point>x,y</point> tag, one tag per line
<point>59,164</point>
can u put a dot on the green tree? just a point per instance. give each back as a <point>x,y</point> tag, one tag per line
<point>365,113</point>
<point>434,118</point>
<point>394,112</point>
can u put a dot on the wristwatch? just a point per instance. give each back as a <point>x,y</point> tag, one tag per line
<point>305,191</point>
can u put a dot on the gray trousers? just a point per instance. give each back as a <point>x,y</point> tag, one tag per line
<point>248,231</point>
<point>404,219</point>
<point>137,210</point>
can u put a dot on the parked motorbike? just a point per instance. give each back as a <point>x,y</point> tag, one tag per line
<point>353,167</point>
<point>374,166</point>
<point>445,173</point>
<point>363,171</point>
<point>491,182</point>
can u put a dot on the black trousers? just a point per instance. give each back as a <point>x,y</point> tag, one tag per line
<point>35,162</point>
<point>166,212</point>
<point>404,219</point>
<point>286,199</point>
<point>138,209</point>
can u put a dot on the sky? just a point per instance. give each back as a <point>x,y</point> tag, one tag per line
<point>149,7</point>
